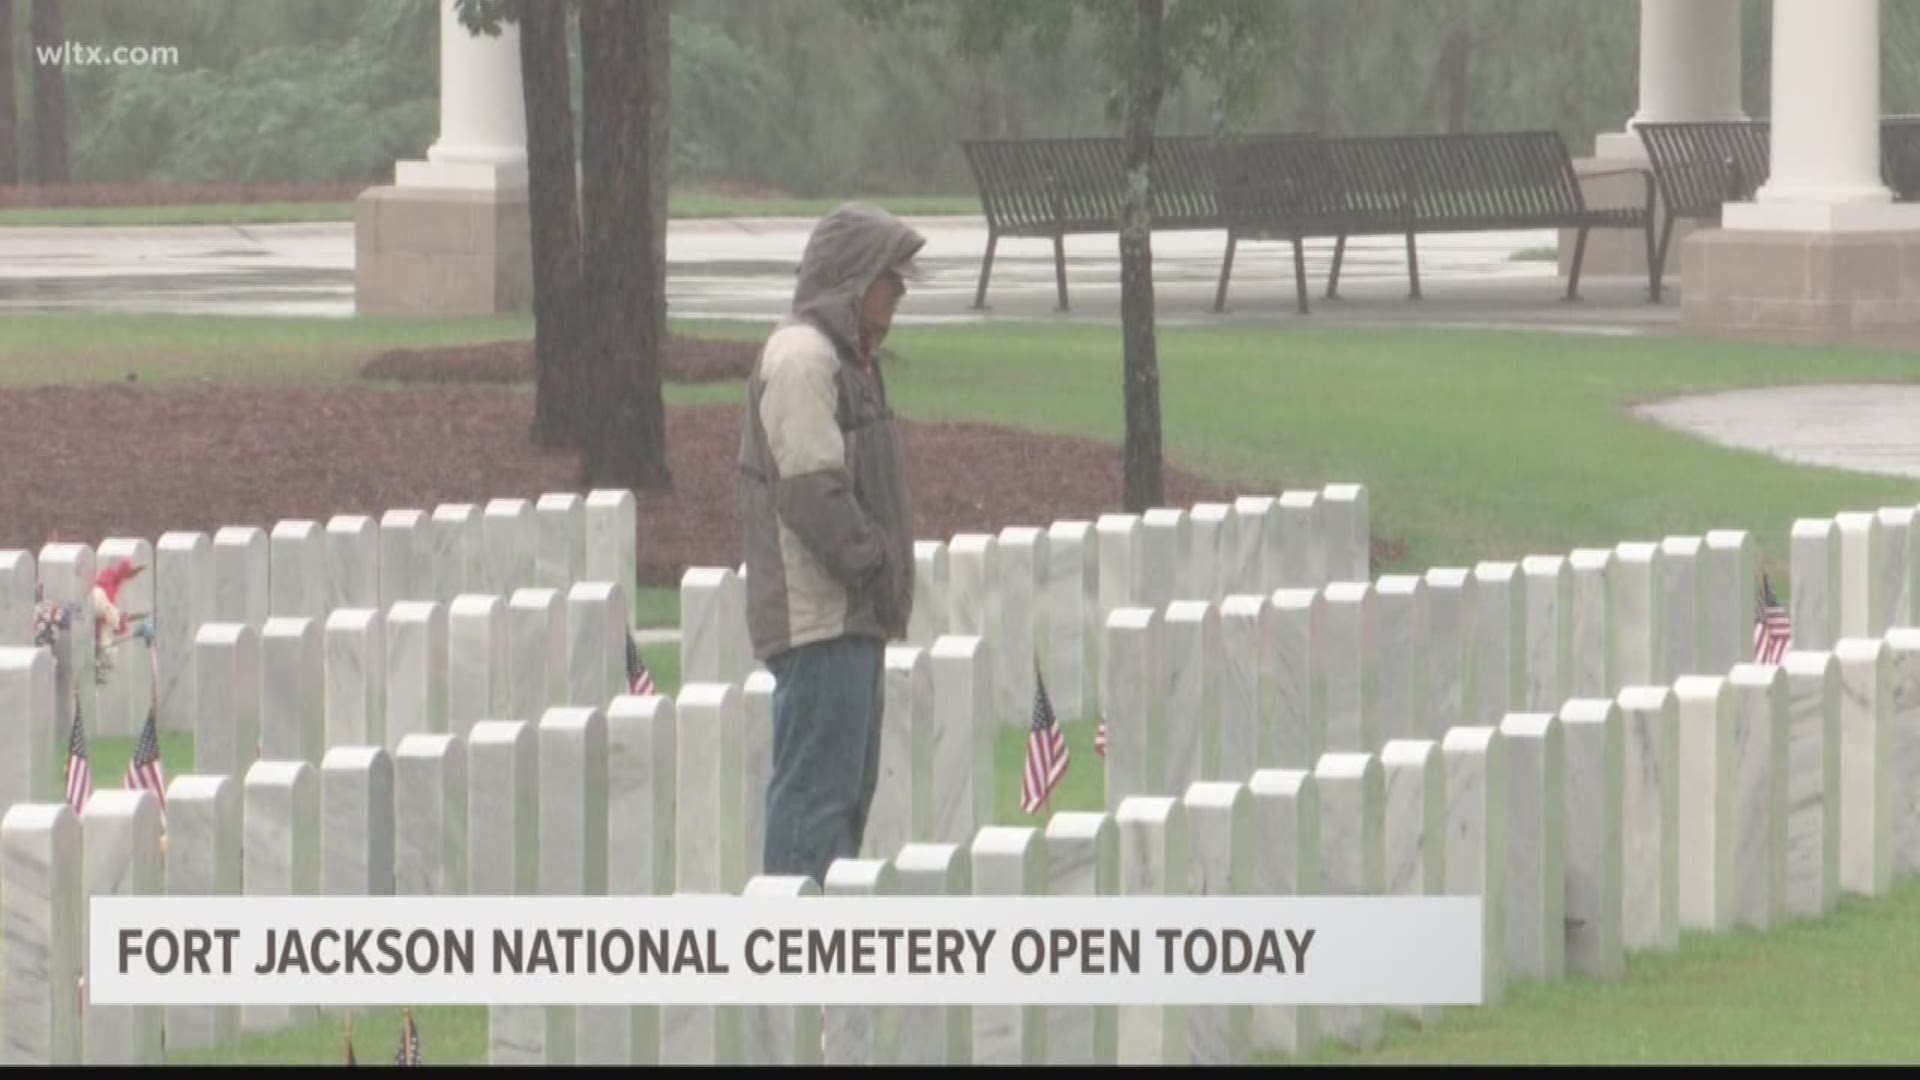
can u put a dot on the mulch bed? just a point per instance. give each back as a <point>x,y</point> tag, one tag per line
<point>687,360</point>
<point>172,194</point>
<point>86,463</point>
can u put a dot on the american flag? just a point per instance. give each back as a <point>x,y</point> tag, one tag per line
<point>143,770</point>
<point>409,1052</point>
<point>1772,630</point>
<point>79,774</point>
<point>1100,739</point>
<point>1046,751</point>
<point>639,679</point>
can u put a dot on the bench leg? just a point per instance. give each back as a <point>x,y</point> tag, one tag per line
<point>1060,270</point>
<point>1653,268</point>
<point>1413,268</point>
<point>986,271</point>
<point>1573,275</point>
<point>1300,272</point>
<point>1660,256</point>
<point>1339,256</point>
<point>1226,271</point>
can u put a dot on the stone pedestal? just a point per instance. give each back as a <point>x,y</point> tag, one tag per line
<point>1803,285</point>
<point>441,251</point>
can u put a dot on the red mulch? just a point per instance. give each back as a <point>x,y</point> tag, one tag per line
<point>687,360</point>
<point>88,463</point>
<point>173,194</point>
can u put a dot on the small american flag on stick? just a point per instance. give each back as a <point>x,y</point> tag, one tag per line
<point>79,773</point>
<point>1046,751</point>
<point>143,769</point>
<point>1772,629</point>
<point>639,679</point>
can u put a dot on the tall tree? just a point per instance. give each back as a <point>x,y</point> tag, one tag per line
<point>554,213</point>
<point>9,132</point>
<point>1149,47</point>
<point>1141,358</point>
<point>623,433</point>
<point>50,156</point>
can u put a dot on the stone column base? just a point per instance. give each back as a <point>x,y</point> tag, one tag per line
<point>1802,286</point>
<point>441,251</point>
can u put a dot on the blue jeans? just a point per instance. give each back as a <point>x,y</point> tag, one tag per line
<point>826,754</point>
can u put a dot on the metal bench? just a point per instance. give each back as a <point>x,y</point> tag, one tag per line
<point>1407,185</point>
<point>1700,164</point>
<point>1049,189</point>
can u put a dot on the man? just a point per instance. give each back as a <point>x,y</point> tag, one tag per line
<point>829,534</point>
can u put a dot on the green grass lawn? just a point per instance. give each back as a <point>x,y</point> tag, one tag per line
<point>1474,445</point>
<point>680,205</point>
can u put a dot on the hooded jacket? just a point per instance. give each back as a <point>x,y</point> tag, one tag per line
<point>828,526</point>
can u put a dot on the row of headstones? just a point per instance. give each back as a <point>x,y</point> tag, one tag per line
<point>1039,597</point>
<point>302,569</point>
<point>363,678</point>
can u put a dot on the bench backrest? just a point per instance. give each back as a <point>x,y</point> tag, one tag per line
<point>1518,177</point>
<point>1699,164</point>
<point>1900,156</point>
<point>1034,186</point>
<point>1264,180</point>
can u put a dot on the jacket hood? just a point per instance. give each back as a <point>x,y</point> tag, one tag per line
<point>849,248</point>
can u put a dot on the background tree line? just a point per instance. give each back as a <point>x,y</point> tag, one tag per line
<point>815,97</point>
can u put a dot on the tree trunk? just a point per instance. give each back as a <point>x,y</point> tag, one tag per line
<point>1142,365</point>
<point>553,210</point>
<point>624,434</point>
<point>9,131</point>
<point>1314,41</point>
<point>49,96</point>
<point>1450,76</point>
<point>660,157</point>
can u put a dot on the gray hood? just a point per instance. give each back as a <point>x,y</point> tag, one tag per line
<point>849,248</point>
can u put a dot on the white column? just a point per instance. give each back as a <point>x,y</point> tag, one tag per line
<point>1825,154</point>
<point>1689,68</point>
<point>483,121</point>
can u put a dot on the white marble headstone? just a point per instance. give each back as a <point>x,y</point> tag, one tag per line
<point>40,935</point>
<point>868,1033</point>
<point>1728,589</point>
<point>596,644</point>
<point>1862,565</point>
<point>1067,655</point>
<point>1403,687</point>
<point>1866,759</point>
<point>1133,692</point>
<point>1348,540</point>
<point>1220,828</point>
<point>19,576</point>
<point>1257,524</point>
<point>561,522</point>
<point>1592,737</point>
<point>406,557</point>
<point>477,677</point>
<point>962,753</point>
<point>929,618</point>
<point>708,844</point>
<point>1815,597</point>
<point>902,795</point>
<point>280,856</point>
<point>1413,827</point>
<point>509,537</point>
<point>1246,685</point>
<point>1286,821</point>
<point>1706,803</point>
<point>1352,863</point>
<point>1166,558</point>
<point>356,822</point>
<point>1593,651</point>
<point>1451,631</point>
<point>1118,540</point>
<point>1476,841</point>
<point>356,677</point>
<point>128,693</point>
<point>183,599</point>
<point>417,653</point>
<point>1351,660</point>
<point>353,563</point>
<point>934,1034</point>
<point>227,674</point>
<point>67,572</point>
<point>1759,693</point>
<point>641,759</point>
<point>1903,647</point>
<point>1083,859</point>
<point>430,815</point>
<point>241,567</point>
<point>973,582</point>
<point>121,836</point>
<point>1192,638</point>
<point>1214,542</point>
<point>756,766</point>
<point>297,570</point>
<point>536,653</point>
<point>1548,581</point>
<point>1650,836</point>
<point>1683,558</point>
<point>1813,782</point>
<point>202,849</point>
<point>777,1034</point>
<point>1020,622</point>
<point>1639,600</point>
<point>1154,861</point>
<point>459,555</point>
<point>1499,650</point>
<point>1299,644</point>
<point>714,646</point>
<point>1300,541</point>
<point>612,541</point>
<point>1536,844</point>
<point>31,771</point>
<point>1894,584</point>
<point>1009,862</point>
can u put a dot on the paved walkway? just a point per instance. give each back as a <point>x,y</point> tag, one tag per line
<point>743,269</point>
<point>1864,428</point>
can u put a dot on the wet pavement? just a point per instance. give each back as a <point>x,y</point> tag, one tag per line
<point>1862,428</point>
<point>743,269</point>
